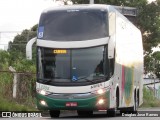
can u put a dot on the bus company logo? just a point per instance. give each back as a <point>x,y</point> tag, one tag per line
<point>44,87</point>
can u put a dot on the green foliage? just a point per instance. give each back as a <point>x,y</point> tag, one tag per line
<point>152,63</point>
<point>6,105</point>
<point>149,20</point>
<point>149,100</point>
<point>24,65</point>
<point>17,48</point>
<point>156,56</point>
<point>4,59</point>
<point>15,57</point>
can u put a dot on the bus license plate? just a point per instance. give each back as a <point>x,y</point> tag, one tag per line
<point>71,104</point>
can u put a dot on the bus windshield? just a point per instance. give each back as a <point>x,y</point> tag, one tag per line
<point>73,25</point>
<point>72,65</point>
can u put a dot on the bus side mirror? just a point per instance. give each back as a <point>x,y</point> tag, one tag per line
<point>29,48</point>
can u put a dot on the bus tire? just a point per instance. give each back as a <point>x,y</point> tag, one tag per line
<point>54,113</point>
<point>136,103</point>
<point>113,112</point>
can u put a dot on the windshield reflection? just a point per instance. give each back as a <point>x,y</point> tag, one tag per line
<point>72,65</point>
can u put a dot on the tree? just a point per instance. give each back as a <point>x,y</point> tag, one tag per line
<point>4,59</point>
<point>149,24</point>
<point>156,61</point>
<point>18,46</point>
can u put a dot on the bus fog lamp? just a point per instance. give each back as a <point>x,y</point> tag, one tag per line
<point>43,103</point>
<point>100,102</point>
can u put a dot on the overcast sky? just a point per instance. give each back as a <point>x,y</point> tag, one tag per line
<point>17,15</point>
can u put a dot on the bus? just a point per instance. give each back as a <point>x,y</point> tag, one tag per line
<point>89,58</point>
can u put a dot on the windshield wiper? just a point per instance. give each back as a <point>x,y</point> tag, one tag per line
<point>85,78</point>
<point>101,78</point>
<point>92,81</point>
<point>45,80</point>
<point>48,80</point>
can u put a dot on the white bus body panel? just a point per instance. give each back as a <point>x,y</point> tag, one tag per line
<point>72,44</point>
<point>128,75</point>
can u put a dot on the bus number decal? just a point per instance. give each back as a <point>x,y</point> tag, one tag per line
<point>44,87</point>
<point>96,85</point>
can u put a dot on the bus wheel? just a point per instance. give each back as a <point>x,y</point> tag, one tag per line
<point>136,104</point>
<point>113,112</point>
<point>54,113</point>
<point>84,113</point>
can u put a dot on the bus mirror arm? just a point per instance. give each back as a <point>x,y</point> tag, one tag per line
<point>111,46</point>
<point>29,48</point>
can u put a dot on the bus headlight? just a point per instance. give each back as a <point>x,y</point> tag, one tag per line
<point>99,92</point>
<point>43,92</point>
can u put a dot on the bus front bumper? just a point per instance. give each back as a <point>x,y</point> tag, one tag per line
<point>71,102</point>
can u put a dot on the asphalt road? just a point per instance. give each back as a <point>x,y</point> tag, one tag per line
<point>102,116</point>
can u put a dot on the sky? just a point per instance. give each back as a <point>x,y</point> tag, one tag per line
<point>17,15</point>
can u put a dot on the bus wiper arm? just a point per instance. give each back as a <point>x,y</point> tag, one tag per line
<point>45,80</point>
<point>104,77</point>
<point>85,78</point>
<point>92,81</point>
<point>48,80</point>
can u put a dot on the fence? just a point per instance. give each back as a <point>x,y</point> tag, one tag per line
<point>154,86</point>
<point>25,91</point>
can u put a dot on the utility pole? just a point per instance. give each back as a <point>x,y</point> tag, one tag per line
<point>154,65</point>
<point>91,1</point>
<point>0,36</point>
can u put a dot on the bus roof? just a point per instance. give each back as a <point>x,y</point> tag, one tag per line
<point>78,7</point>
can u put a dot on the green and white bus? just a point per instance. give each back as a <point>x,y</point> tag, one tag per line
<point>89,58</point>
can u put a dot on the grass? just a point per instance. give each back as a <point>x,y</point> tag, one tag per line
<point>149,100</point>
<point>6,105</point>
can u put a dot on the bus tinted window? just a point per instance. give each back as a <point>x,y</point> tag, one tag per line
<point>73,65</point>
<point>73,25</point>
